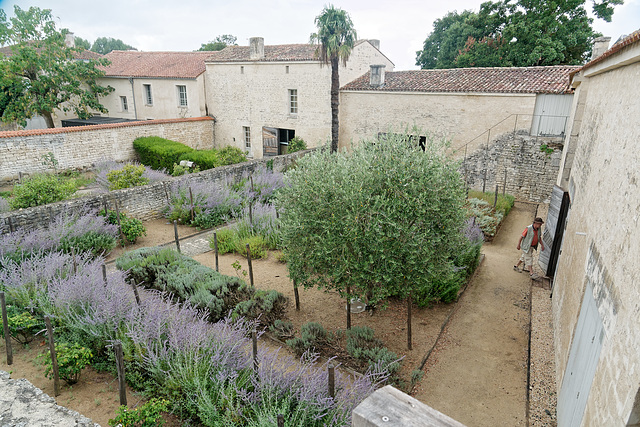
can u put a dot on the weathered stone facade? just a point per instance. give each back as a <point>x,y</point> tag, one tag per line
<point>600,249</point>
<point>80,147</point>
<point>145,202</point>
<point>515,163</point>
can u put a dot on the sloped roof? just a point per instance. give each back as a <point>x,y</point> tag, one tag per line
<point>131,63</point>
<point>553,79</point>
<point>629,40</point>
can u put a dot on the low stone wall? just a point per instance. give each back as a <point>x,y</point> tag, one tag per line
<point>145,202</point>
<point>515,161</point>
<point>80,147</point>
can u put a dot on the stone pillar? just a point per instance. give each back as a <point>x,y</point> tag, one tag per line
<point>377,75</point>
<point>256,48</point>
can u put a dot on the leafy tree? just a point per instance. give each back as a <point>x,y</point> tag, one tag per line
<point>41,74</point>
<point>104,45</point>
<point>219,43</point>
<point>82,43</point>
<point>336,38</point>
<point>514,33</point>
<point>384,220</point>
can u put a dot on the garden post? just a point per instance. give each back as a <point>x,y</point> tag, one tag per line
<point>5,328</point>
<point>348,307</point>
<point>280,420</point>
<point>409,321</point>
<point>50,215</point>
<point>191,200</point>
<point>254,340</point>
<point>332,380</point>
<point>250,266</point>
<point>175,232</point>
<point>215,250</point>
<point>124,241</point>
<point>105,207</point>
<point>104,273</point>
<point>122,386</point>
<point>504,184</point>
<point>166,193</point>
<point>135,293</point>
<point>296,295</point>
<point>54,359</point>
<point>11,228</point>
<point>75,262</point>
<point>495,200</point>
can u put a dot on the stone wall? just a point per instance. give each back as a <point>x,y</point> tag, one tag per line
<point>80,147</point>
<point>514,160</point>
<point>145,202</point>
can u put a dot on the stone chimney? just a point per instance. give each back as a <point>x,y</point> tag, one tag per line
<point>375,43</point>
<point>256,48</point>
<point>70,40</point>
<point>377,75</point>
<point>600,46</point>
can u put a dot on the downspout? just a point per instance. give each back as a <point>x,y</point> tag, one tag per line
<point>133,95</point>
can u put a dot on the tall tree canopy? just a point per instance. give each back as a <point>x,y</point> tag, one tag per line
<point>41,73</point>
<point>84,44</point>
<point>104,45</point>
<point>336,38</point>
<point>219,43</point>
<point>514,33</point>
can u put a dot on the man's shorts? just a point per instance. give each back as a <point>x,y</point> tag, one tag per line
<point>527,257</point>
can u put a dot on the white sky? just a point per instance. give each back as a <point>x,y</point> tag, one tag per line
<point>400,25</point>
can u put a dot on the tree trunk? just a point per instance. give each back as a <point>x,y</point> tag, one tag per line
<point>48,118</point>
<point>335,87</point>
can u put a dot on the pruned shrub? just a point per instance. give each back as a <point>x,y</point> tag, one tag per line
<point>232,155</point>
<point>312,337</point>
<point>40,189</point>
<point>127,177</point>
<point>204,159</point>
<point>159,153</point>
<point>362,345</point>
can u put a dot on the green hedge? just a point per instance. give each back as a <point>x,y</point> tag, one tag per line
<point>167,270</point>
<point>159,153</point>
<point>205,159</point>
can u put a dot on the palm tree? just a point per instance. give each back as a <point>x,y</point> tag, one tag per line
<point>336,38</point>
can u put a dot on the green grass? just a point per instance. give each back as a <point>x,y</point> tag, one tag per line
<point>504,205</point>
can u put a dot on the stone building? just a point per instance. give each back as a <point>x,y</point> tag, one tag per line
<point>262,95</point>
<point>468,106</point>
<point>596,292</point>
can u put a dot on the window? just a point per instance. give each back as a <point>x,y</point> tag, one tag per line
<point>147,95</point>
<point>123,103</point>
<point>182,95</point>
<point>242,69</point>
<point>286,68</point>
<point>293,101</point>
<point>246,130</point>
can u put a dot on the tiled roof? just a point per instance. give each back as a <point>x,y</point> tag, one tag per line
<point>554,79</point>
<point>630,39</point>
<point>35,132</point>
<point>131,63</point>
<point>282,52</point>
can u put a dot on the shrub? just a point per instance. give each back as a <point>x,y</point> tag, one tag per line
<point>179,170</point>
<point>22,325</point>
<point>132,228</point>
<point>93,242</point>
<point>159,153</point>
<point>72,359</point>
<point>227,241</point>
<point>4,205</point>
<point>40,189</point>
<point>147,415</point>
<point>232,155</point>
<point>282,329</point>
<point>312,336</point>
<point>104,167</point>
<point>127,177</point>
<point>485,216</point>
<point>362,345</point>
<point>296,144</point>
<point>257,245</point>
<point>504,204</point>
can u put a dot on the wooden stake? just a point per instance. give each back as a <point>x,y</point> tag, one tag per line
<point>75,262</point>
<point>332,381</point>
<point>250,265</point>
<point>280,420</point>
<point>166,193</point>
<point>54,359</point>
<point>104,273</point>
<point>495,200</point>
<point>5,328</point>
<point>250,213</point>
<point>175,232</point>
<point>122,386</point>
<point>124,241</point>
<point>348,307</point>
<point>215,250</point>
<point>11,228</point>
<point>135,293</point>
<point>254,339</point>
<point>105,207</point>
<point>191,199</point>
<point>296,295</point>
<point>409,321</point>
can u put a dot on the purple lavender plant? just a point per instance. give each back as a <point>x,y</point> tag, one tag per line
<point>472,231</point>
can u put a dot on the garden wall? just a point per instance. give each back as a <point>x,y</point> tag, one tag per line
<point>515,161</point>
<point>80,147</point>
<point>146,202</point>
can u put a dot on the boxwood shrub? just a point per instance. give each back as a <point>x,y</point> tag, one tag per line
<point>159,153</point>
<point>204,159</point>
<point>169,271</point>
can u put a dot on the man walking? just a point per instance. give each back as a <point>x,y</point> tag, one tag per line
<point>529,240</point>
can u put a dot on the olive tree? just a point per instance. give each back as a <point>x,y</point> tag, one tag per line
<point>382,220</point>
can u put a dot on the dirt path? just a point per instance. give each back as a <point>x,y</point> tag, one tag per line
<point>478,372</point>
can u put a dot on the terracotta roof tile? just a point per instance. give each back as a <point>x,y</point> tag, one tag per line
<point>33,132</point>
<point>282,52</point>
<point>630,39</point>
<point>554,79</point>
<point>131,63</point>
